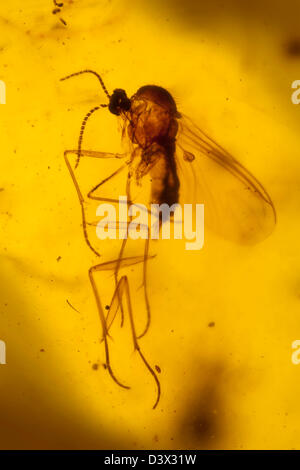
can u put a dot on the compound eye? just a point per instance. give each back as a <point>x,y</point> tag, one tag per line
<point>127,105</point>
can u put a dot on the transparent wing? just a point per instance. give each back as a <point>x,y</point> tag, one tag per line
<point>236,205</point>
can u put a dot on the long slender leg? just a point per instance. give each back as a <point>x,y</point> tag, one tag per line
<point>146,251</point>
<point>121,289</point>
<point>93,154</point>
<point>103,323</point>
<point>123,284</point>
<point>116,272</point>
<point>81,201</point>
<point>122,251</point>
<point>97,198</point>
<point>111,266</point>
<point>145,285</point>
<point>117,264</point>
<point>124,262</point>
<point>121,168</point>
<point>96,154</point>
<point>135,340</point>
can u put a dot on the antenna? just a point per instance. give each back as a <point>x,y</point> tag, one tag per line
<point>83,124</point>
<point>88,71</point>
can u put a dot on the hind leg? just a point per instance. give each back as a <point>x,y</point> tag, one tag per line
<point>122,290</point>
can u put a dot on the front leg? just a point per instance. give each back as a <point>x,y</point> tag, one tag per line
<point>92,154</point>
<point>96,154</point>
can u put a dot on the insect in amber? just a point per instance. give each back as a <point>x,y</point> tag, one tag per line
<point>183,164</point>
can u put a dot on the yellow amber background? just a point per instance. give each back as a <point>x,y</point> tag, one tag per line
<point>230,386</point>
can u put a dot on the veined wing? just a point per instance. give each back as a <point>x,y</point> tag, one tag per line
<point>236,205</point>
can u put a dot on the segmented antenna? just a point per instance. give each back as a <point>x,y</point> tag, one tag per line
<point>88,71</point>
<point>91,111</point>
<point>82,130</point>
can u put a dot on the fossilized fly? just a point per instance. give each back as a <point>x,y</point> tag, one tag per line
<point>182,164</point>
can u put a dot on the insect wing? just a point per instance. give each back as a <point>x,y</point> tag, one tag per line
<point>236,205</point>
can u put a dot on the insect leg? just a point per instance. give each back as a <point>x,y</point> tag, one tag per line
<point>96,154</point>
<point>121,289</point>
<point>115,303</point>
<point>91,196</point>
<point>93,154</point>
<point>146,251</point>
<point>97,198</point>
<point>135,340</point>
<point>123,248</point>
<point>128,202</point>
<point>116,276</point>
<point>92,270</point>
<point>81,201</point>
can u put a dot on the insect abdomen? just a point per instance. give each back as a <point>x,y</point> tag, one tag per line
<point>165,182</point>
